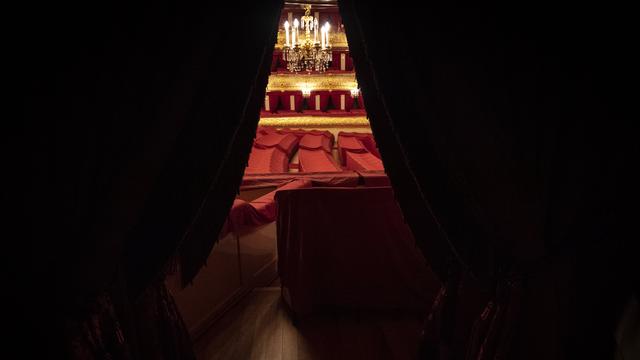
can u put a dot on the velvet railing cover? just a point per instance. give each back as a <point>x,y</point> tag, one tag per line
<point>509,125</point>
<point>327,256</point>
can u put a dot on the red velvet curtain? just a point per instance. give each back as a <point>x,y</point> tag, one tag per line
<point>138,127</point>
<point>505,135</point>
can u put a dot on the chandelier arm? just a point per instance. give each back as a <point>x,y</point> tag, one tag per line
<point>308,54</point>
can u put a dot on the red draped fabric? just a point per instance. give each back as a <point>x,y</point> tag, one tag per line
<point>284,142</point>
<point>335,179</point>
<point>315,153</point>
<point>261,211</point>
<point>297,132</point>
<point>370,143</point>
<point>317,141</point>
<point>327,255</point>
<point>357,152</point>
<point>269,160</point>
<point>264,130</point>
<point>316,161</point>
<point>374,178</point>
<point>362,161</point>
<point>320,132</point>
<point>367,140</point>
<point>349,144</point>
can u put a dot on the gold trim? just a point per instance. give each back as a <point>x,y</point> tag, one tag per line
<point>344,81</point>
<point>317,121</point>
<point>338,40</point>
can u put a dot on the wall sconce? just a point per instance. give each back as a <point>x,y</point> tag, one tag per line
<point>306,88</point>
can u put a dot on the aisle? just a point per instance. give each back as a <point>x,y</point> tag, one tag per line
<point>260,328</point>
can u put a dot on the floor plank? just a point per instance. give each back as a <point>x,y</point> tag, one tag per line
<point>260,327</point>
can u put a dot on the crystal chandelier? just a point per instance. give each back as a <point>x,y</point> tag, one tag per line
<point>306,54</point>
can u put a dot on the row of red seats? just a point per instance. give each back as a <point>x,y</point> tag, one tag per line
<point>340,61</point>
<point>318,101</point>
<point>273,148</point>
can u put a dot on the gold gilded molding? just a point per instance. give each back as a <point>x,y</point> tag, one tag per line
<point>318,121</point>
<point>325,81</point>
<point>337,40</point>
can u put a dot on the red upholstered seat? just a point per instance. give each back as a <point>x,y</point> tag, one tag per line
<point>323,141</point>
<point>269,140</point>
<point>341,100</point>
<point>319,100</point>
<point>297,132</point>
<point>288,144</point>
<point>265,130</point>
<point>316,160</point>
<point>366,138</point>
<point>362,161</point>
<point>320,132</point>
<point>349,144</point>
<point>267,160</point>
<point>285,142</point>
<point>291,101</point>
<point>370,143</point>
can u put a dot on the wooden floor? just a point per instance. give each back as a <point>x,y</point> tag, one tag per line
<point>260,328</point>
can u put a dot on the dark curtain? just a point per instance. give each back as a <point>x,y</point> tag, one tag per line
<point>506,131</point>
<point>137,121</point>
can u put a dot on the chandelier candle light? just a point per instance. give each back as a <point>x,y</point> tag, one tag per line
<point>308,54</point>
